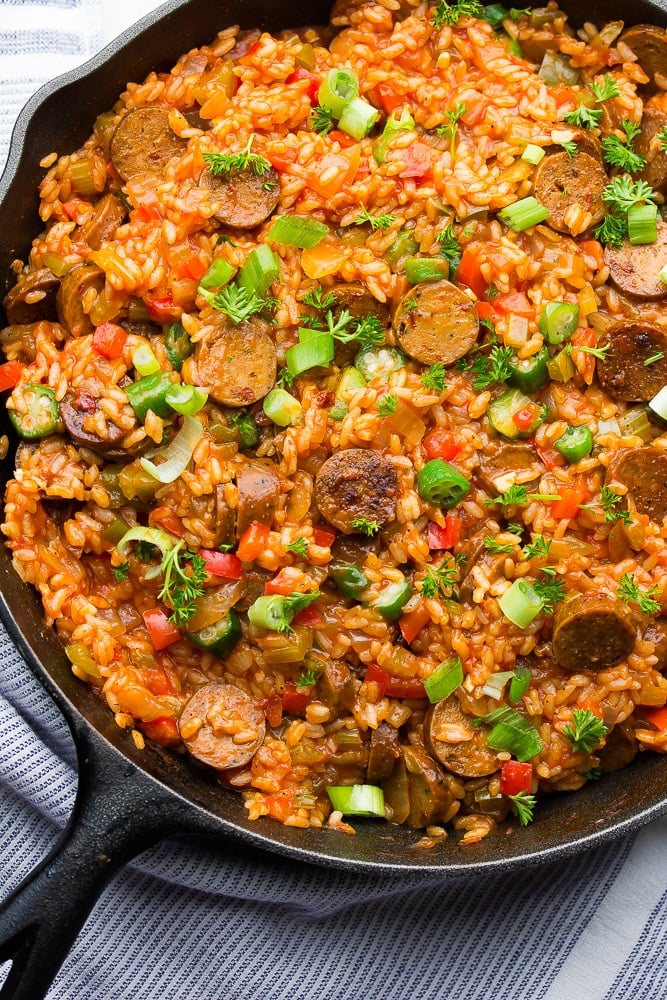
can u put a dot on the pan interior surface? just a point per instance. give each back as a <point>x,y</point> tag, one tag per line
<point>567,822</point>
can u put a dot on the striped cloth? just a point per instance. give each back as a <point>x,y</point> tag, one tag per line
<point>190,921</point>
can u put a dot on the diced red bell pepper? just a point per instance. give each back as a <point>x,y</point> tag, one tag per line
<point>223,564</point>
<point>309,616</point>
<point>166,519</point>
<point>273,710</point>
<point>394,687</point>
<point>413,622</point>
<point>568,505</point>
<point>443,538</point>
<point>485,310</point>
<point>526,417</point>
<point>515,777</point>
<point>163,731</point>
<point>281,805</point>
<point>388,97</point>
<point>440,443</point>
<point>282,160</point>
<point>194,267</point>
<point>295,700</point>
<point>323,536</point>
<point>109,340</point>
<point>287,581</point>
<point>10,373</point>
<point>161,631</point>
<point>516,303</point>
<point>657,717</point>
<point>342,138</point>
<point>253,541</point>
<point>301,73</point>
<point>376,676</point>
<point>469,273</point>
<point>162,309</point>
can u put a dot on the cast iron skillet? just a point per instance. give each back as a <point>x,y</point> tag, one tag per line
<point>127,799</point>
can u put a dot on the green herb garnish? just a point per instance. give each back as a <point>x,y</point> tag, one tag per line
<point>586,730</point>
<point>629,591</point>
<point>439,581</point>
<point>299,546</point>
<point>184,574</point>
<point>451,126</point>
<point>322,120</point>
<point>375,221</point>
<point>524,806</point>
<point>446,13</point>
<point>537,549</point>
<point>225,164</point>
<point>365,526</point>
<point>494,369</point>
<point>121,571</point>
<point>434,378</point>
<point>584,117</point>
<point>606,90</point>
<point>387,405</point>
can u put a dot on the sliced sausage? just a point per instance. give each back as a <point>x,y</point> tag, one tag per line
<point>359,302</point>
<point>644,472</point>
<point>430,789</point>
<point>244,42</point>
<point>620,748</point>
<point>354,548</point>
<point>511,464</point>
<point>75,408</point>
<point>144,142</point>
<point>459,745</point>
<point>224,519</point>
<point>222,726</point>
<point>635,269</point>
<point>20,341</point>
<point>32,298</point>
<point>356,484</point>
<point>397,792</point>
<point>335,684</point>
<point>657,634</point>
<point>654,173</point>
<point>239,366</point>
<point>622,372</point>
<point>107,215</point>
<point>489,564</point>
<point>562,181</point>
<point>592,632</point>
<point>383,754</point>
<point>259,491</point>
<point>649,44</point>
<point>73,287</point>
<point>255,580</point>
<point>245,199</point>
<point>436,323</point>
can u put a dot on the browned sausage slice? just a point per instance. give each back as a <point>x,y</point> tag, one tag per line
<point>70,294</point>
<point>644,472</point>
<point>107,215</point>
<point>245,199</point>
<point>592,632</point>
<point>32,298</point>
<point>657,634</point>
<point>239,366</point>
<point>620,748</point>
<point>562,181</point>
<point>648,145</point>
<point>636,269</point>
<point>623,371</point>
<point>431,795</point>
<point>649,44</point>
<point>355,484</point>
<point>75,408</point>
<point>511,464</point>
<point>20,340</point>
<point>144,142</point>
<point>259,491</point>
<point>436,323</point>
<point>383,754</point>
<point>456,742</point>
<point>359,302</point>
<point>222,726</point>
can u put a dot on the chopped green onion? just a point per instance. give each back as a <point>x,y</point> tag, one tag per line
<point>520,683</point>
<point>310,354</point>
<point>357,800</point>
<point>186,399</point>
<point>281,407</point>
<point>576,443</point>
<point>404,123</point>
<point>533,154</point>
<point>418,269</point>
<point>149,536</point>
<point>275,611</point>
<point>337,89</point>
<point>358,118</point>
<point>520,603</point>
<point>178,455</point>
<point>558,321</point>
<point>391,601</point>
<point>658,404</point>
<point>441,485</point>
<point>144,360</point>
<point>513,733</point>
<point>218,274</point>
<point>259,271</point>
<point>523,214</point>
<point>496,683</point>
<point>150,393</point>
<point>444,680</point>
<point>642,224</point>
<point>298,231</point>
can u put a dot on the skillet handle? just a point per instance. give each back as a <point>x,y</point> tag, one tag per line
<point>118,813</point>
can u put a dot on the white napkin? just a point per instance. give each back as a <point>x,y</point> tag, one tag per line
<point>198,922</point>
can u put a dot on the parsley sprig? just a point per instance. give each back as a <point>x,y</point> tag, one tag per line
<point>322,119</point>
<point>610,501</point>
<point>495,547</point>
<point>450,128</point>
<point>375,221</point>
<point>434,378</point>
<point>121,571</point>
<point>225,164</point>
<point>495,368</point>
<point>450,249</point>
<point>307,678</point>
<point>450,14</point>
<point>365,526</point>
<point>519,495</point>
<point>387,405</point>
<point>584,117</point>
<point>235,301</point>
<point>524,806</point>
<point>628,590</point>
<point>622,154</point>
<point>551,589</point>
<point>537,549</point>
<point>183,576</point>
<point>299,547</point>
<point>439,580</point>
<point>623,192</point>
<point>586,730</point>
<point>606,90</point>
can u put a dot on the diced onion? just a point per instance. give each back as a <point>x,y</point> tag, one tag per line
<point>178,455</point>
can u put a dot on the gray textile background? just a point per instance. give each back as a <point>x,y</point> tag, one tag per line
<point>198,921</point>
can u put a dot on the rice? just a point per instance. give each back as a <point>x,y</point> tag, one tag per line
<point>384,605</point>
